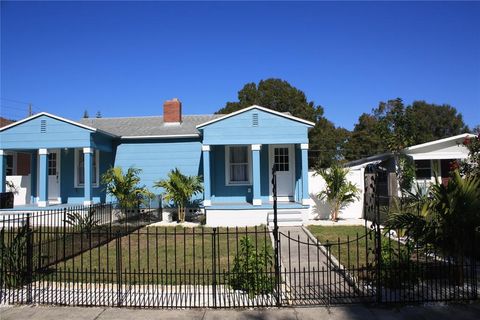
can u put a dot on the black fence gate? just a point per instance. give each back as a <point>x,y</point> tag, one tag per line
<point>103,255</point>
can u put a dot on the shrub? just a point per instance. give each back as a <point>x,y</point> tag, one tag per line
<point>85,222</point>
<point>13,269</point>
<point>251,271</point>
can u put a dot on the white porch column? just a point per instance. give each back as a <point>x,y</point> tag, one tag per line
<point>43,178</point>
<point>87,170</point>
<point>3,171</point>
<point>206,176</point>
<point>257,200</point>
<point>305,194</point>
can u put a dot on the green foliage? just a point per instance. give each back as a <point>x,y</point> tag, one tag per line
<point>339,192</point>
<point>396,264</point>
<point>433,122</point>
<point>365,139</point>
<point>84,222</point>
<point>13,271</point>
<point>446,217</point>
<point>393,126</point>
<point>251,271</point>
<point>125,187</point>
<point>470,167</point>
<point>180,189</point>
<point>405,172</point>
<point>326,140</point>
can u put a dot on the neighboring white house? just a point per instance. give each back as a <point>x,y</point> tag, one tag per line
<point>431,159</point>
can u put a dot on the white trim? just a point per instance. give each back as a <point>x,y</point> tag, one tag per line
<point>43,151</point>
<point>256,147</point>
<point>171,124</point>
<point>88,150</point>
<point>426,144</point>
<point>304,146</point>
<point>207,203</point>
<point>260,108</point>
<point>305,202</point>
<point>56,118</point>
<point>257,202</point>
<point>162,136</point>
<point>227,166</point>
<point>87,202</point>
<point>293,166</point>
<point>2,152</point>
<point>205,147</point>
<point>75,169</point>
<point>42,203</point>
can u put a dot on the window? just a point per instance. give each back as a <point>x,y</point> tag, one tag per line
<point>9,165</point>
<point>423,169</point>
<point>281,161</point>
<point>238,165</point>
<point>80,168</point>
<point>52,164</point>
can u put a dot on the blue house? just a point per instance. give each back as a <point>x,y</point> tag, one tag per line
<point>234,153</point>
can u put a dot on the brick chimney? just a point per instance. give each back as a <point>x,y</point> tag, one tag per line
<point>172,111</point>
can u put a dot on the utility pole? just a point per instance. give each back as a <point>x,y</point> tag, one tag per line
<point>30,109</point>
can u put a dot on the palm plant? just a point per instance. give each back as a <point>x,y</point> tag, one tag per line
<point>180,189</point>
<point>125,187</point>
<point>449,214</point>
<point>339,192</point>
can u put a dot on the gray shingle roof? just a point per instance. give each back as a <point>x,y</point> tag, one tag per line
<point>148,126</point>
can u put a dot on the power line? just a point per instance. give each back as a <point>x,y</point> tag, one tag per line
<point>14,101</point>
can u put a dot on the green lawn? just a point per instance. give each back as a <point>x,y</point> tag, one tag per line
<point>351,245</point>
<point>159,255</point>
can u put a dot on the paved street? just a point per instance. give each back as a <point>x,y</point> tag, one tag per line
<point>431,312</point>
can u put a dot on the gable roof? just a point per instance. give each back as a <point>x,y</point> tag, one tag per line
<point>439,141</point>
<point>407,150</point>
<point>53,117</point>
<point>281,114</point>
<point>150,127</point>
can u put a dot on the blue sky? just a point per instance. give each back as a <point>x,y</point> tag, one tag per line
<point>126,58</point>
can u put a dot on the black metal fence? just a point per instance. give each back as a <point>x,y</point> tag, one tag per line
<point>102,255</point>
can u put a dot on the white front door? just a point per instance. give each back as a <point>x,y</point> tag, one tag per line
<point>283,158</point>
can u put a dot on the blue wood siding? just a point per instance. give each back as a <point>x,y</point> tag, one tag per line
<point>44,132</point>
<point>221,192</point>
<point>68,191</point>
<point>156,158</point>
<point>240,129</point>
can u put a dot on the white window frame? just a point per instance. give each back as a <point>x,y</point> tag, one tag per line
<point>228,182</point>
<point>79,152</point>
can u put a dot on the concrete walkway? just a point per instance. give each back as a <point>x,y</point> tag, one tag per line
<point>310,278</point>
<point>432,312</point>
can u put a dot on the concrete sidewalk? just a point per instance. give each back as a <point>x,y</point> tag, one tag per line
<point>430,312</point>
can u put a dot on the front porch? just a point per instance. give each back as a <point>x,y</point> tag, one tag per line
<point>239,176</point>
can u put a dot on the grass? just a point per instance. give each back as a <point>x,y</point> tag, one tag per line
<point>351,245</point>
<point>159,255</point>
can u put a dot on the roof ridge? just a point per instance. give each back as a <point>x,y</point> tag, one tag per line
<point>143,117</point>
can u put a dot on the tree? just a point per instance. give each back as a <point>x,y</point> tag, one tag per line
<point>432,122</point>
<point>470,167</point>
<point>325,139</point>
<point>85,114</point>
<point>338,192</point>
<point>180,189</point>
<point>125,187</point>
<point>365,139</point>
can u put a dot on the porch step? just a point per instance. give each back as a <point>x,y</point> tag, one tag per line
<point>286,218</point>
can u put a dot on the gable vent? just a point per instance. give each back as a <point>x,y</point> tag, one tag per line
<point>255,120</point>
<point>43,126</point>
